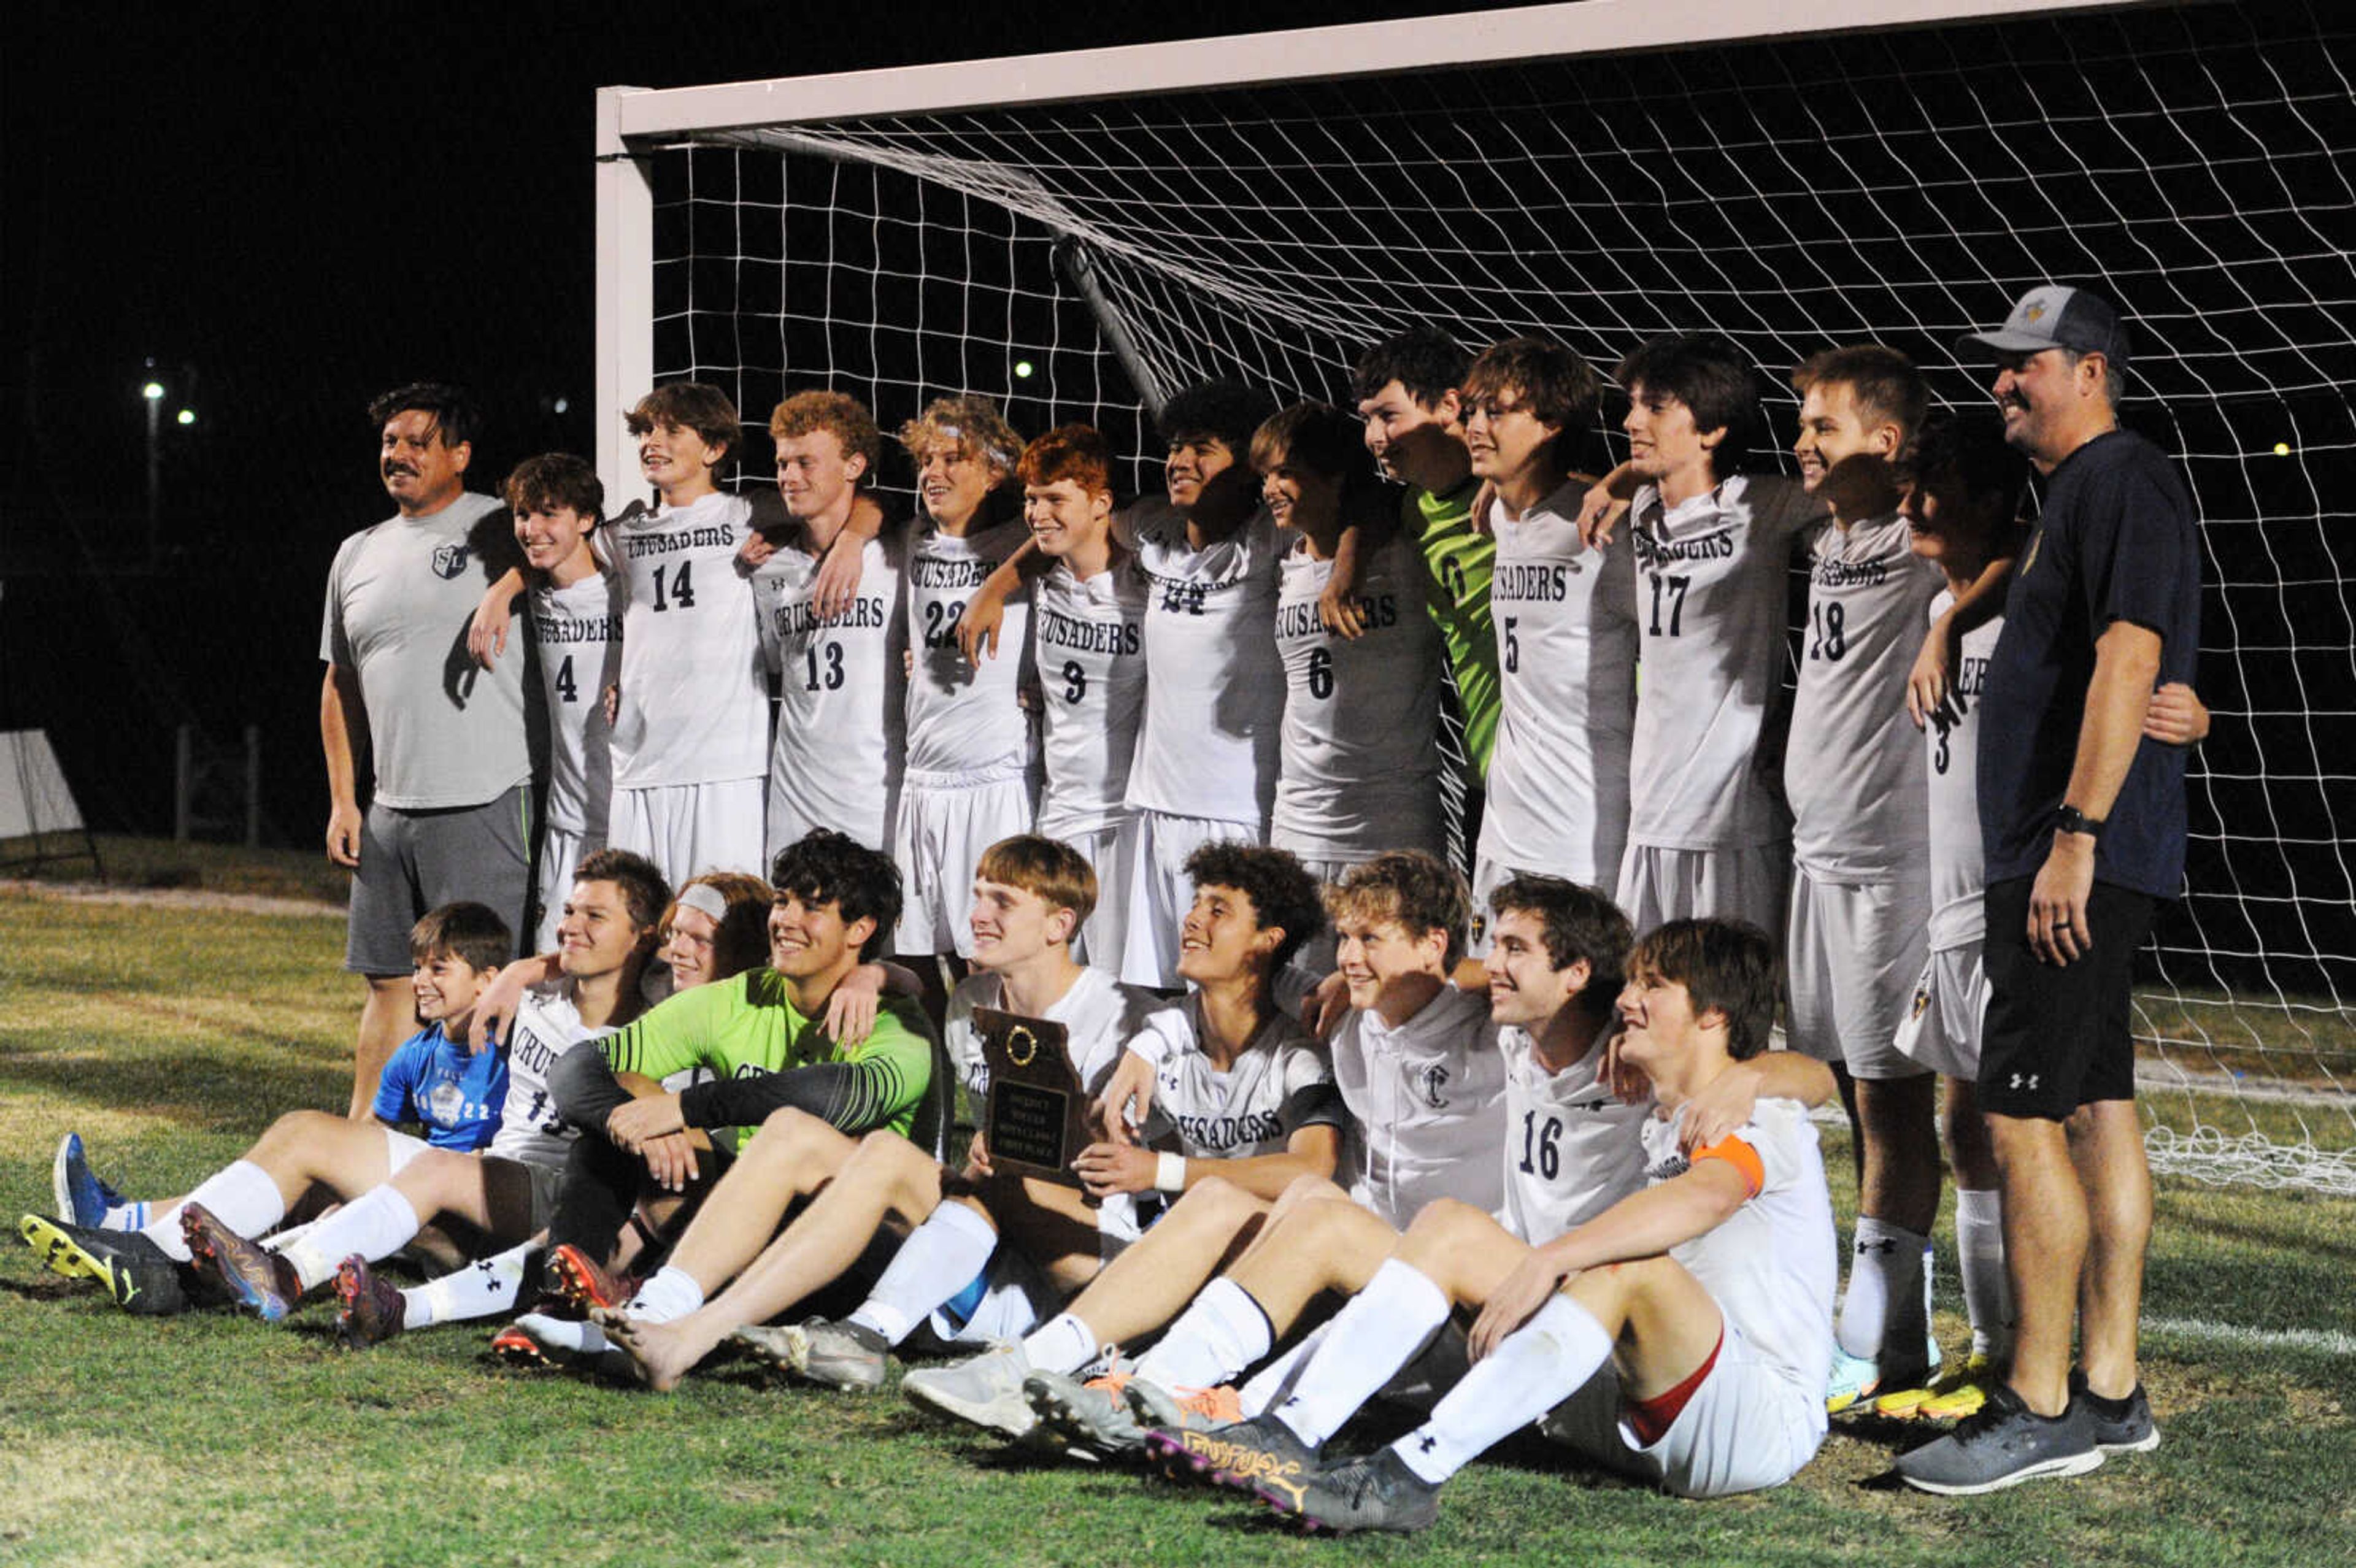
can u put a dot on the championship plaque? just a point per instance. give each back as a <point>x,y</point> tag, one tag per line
<point>1036,1118</point>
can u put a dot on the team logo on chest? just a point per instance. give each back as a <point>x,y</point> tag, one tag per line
<point>449,561</point>
<point>1432,1080</point>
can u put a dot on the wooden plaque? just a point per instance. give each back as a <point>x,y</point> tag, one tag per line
<point>1036,1118</point>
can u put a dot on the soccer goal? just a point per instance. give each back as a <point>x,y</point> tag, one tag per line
<point>1078,234</point>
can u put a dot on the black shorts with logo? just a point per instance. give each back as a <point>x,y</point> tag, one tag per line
<point>2060,1036</point>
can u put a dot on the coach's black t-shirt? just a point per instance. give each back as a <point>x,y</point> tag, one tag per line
<point>2116,543</point>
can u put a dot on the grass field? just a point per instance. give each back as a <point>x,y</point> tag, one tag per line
<point>170,1035</point>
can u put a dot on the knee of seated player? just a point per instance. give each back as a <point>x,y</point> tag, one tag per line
<point>428,1178</point>
<point>307,1129</point>
<point>1306,1189</point>
<point>1443,1233</point>
<point>797,1145</point>
<point>1216,1202</point>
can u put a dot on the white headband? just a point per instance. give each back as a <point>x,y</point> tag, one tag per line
<point>705,899</point>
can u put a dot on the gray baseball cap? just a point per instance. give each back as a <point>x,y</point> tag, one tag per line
<point>2055,315</point>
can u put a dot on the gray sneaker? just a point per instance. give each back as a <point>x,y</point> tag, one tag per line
<point>2129,1431</point>
<point>838,1355</point>
<point>1246,1455</point>
<point>1092,1417</point>
<point>986,1389</point>
<point>2006,1443</point>
<point>1377,1492</point>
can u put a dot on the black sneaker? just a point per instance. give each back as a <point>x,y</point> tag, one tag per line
<point>2006,1443</point>
<point>2121,1425</point>
<point>142,1278</point>
<point>1377,1492</point>
<point>1246,1455</point>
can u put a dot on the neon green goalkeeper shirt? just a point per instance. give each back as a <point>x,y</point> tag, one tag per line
<point>1461,560</point>
<point>745,1025</point>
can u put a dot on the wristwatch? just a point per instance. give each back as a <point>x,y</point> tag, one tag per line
<point>2070,819</point>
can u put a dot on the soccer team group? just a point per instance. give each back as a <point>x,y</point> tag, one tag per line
<point>1503,1141</point>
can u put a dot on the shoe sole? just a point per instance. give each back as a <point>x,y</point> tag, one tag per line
<point>990,1417</point>
<point>577,1284</point>
<point>2143,1445</point>
<point>1064,1419</point>
<point>514,1348</point>
<point>2054,1469</point>
<point>348,1294</point>
<point>63,1256</point>
<point>799,1361</point>
<point>60,1186</point>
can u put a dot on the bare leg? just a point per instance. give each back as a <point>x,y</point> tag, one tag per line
<point>388,1017</point>
<point>491,1194</point>
<point>305,1147</point>
<point>1325,1243</point>
<point>1970,1153</point>
<point>2045,1232</point>
<point>2106,1146</point>
<point>791,1156</point>
<point>1900,1181</point>
<point>1152,1283</point>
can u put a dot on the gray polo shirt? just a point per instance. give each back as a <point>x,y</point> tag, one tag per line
<point>442,731</point>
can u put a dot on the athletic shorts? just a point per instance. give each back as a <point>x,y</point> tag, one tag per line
<point>412,861</point>
<point>1104,935</point>
<point>1749,1424</point>
<point>1856,951</point>
<point>1657,885</point>
<point>1007,1299</point>
<point>560,849</point>
<point>939,834</point>
<point>1160,893</point>
<point>399,1148</point>
<point>2060,1036</point>
<point>788,820</point>
<point>689,830</point>
<point>1942,1031</point>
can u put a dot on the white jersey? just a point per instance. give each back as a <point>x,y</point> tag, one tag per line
<point>1853,769</point>
<point>1572,1147</point>
<point>579,633</point>
<point>1360,769</point>
<point>964,720</point>
<point>1710,596</point>
<point>1958,871</point>
<point>835,761</point>
<point>1566,650</point>
<point>1770,1265</point>
<point>1214,687</point>
<point>1279,1085</point>
<point>1087,647</point>
<point>546,1026</point>
<point>695,700</point>
<point>1429,1101</point>
<point>1101,1017</point>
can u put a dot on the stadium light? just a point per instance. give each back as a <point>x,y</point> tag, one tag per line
<point>188,416</point>
<point>153,392</point>
<point>1022,369</point>
<point>2282,448</point>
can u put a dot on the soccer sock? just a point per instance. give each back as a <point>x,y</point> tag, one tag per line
<point>1062,1344</point>
<point>376,1224</point>
<point>936,1261</point>
<point>1883,1305</point>
<point>279,1241</point>
<point>1274,1383</point>
<point>1979,1243</point>
<point>1533,1369</point>
<point>1224,1332</point>
<point>481,1289</point>
<point>578,1336</point>
<point>1379,1331</point>
<point>126,1217</point>
<point>240,1195</point>
<point>672,1294</point>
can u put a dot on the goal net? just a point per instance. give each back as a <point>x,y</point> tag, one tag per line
<point>1080,235</point>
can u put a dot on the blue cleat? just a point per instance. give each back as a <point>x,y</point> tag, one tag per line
<point>81,1197</point>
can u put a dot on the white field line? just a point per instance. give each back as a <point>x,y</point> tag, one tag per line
<point>2323,1342</point>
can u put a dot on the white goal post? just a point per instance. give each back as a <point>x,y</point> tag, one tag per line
<point>1076,234</point>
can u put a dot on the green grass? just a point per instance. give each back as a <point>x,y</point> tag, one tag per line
<point>170,1036</point>
<point>160,863</point>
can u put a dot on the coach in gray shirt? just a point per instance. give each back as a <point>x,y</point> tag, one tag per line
<point>444,742</point>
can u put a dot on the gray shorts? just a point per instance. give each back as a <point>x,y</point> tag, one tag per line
<point>412,861</point>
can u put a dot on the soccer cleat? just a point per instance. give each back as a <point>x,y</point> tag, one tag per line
<point>1857,1379</point>
<point>837,1355</point>
<point>140,1276</point>
<point>2006,1443</point>
<point>514,1346</point>
<point>583,1282</point>
<point>372,1310</point>
<point>986,1389</point>
<point>1958,1392</point>
<point>2128,1429</point>
<point>1377,1492</point>
<point>1092,1417</point>
<point>1245,1455</point>
<point>82,1199</point>
<point>258,1280</point>
<point>1183,1410</point>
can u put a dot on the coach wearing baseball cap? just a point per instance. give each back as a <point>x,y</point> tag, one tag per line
<point>2083,821</point>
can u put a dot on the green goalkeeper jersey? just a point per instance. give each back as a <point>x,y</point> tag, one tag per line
<point>746,1025</point>
<point>1459,559</point>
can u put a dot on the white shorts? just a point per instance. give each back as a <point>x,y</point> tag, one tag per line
<point>939,834</point>
<point>1160,893</point>
<point>1746,1427</point>
<point>1856,949</point>
<point>1942,1027</point>
<point>560,849</point>
<point>399,1148</point>
<point>788,819</point>
<point>1012,1296</point>
<point>1103,936</point>
<point>1658,885</point>
<point>689,830</point>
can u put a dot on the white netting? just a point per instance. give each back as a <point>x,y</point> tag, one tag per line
<point>1900,187</point>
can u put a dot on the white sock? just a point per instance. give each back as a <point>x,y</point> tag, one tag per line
<point>1274,1383</point>
<point>483,1289</point>
<point>672,1294</point>
<point>1979,1243</point>
<point>580,1337</point>
<point>1062,1344</point>
<point>240,1195</point>
<point>376,1224</point>
<point>1883,1305</point>
<point>1382,1329</point>
<point>936,1261</point>
<point>126,1217</point>
<point>1224,1332</point>
<point>1533,1369</point>
<point>279,1241</point>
